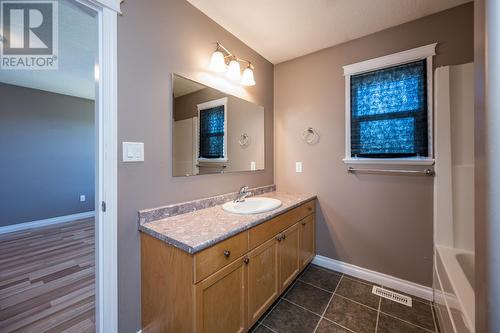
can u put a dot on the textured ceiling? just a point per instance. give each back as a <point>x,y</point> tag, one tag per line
<point>281,30</point>
<point>77,52</point>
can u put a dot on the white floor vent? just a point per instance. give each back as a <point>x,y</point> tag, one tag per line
<point>391,295</point>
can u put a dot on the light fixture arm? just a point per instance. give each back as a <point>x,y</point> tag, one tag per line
<point>228,54</point>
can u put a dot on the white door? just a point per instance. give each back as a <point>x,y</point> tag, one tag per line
<point>185,147</point>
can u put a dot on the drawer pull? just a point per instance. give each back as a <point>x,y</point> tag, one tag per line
<point>279,237</point>
<point>284,237</point>
<point>309,209</point>
<point>304,223</point>
<point>246,260</point>
<point>227,253</point>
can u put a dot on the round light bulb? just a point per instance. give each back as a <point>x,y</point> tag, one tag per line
<point>248,79</point>
<point>217,63</point>
<point>234,70</point>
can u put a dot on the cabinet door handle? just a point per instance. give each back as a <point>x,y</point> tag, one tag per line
<point>227,253</point>
<point>279,237</point>
<point>246,260</point>
<point>304,223</point>
<point>309,209</point>
<point>284,237</point>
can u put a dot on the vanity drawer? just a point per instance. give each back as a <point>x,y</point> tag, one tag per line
<point>269,229</point>
<point>221,254</point>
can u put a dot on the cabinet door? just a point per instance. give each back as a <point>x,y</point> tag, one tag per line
<point>289,254</point>
<point>221,300</point>
<point>263,279</point>
<point>307,240</point>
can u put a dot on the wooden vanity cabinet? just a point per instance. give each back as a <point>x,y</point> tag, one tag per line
<point>307,240</point>
<point>289,254</point>
<point>228,286</point>
<point>221,300</point>
<point>263,278</point>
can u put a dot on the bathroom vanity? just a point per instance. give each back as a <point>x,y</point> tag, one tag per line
<point>212,271</point>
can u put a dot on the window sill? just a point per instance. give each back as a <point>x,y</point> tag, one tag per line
<point>390,161</point>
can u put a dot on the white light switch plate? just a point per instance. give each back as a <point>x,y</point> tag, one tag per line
<point>298,166</point>
<point>82,198</point>
<point>133,151</point>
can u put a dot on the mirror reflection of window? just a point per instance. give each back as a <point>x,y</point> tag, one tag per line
<point>207,131</point>
<point>212,131</point>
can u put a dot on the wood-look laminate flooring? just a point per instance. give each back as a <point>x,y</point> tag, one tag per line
<point>47,279</point>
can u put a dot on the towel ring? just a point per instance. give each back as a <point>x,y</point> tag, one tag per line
<point>310,136</point>
<point>244,140</point>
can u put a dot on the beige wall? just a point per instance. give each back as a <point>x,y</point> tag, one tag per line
<point>383,223</point>
<point>246,118</point>
<point>187,106</point>
<point>155,39</point>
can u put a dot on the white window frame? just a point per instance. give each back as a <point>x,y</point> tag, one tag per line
<point>424,52</point>
<point>209,105</point>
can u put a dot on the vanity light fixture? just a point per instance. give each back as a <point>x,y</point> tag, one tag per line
<point>247,79</point>
<point>218,64</point>
<point>234,70</point>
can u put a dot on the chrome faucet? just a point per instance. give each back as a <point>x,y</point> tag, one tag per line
<point>243,194</point>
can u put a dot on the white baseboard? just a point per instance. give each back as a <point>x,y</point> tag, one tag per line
<point>408,287</point>
<point>45,222</point>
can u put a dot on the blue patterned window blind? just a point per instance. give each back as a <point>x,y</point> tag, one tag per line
<point>212,133</point>
<point>389,112</point>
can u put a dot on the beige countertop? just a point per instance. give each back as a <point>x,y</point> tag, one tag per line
<point>197,230</point>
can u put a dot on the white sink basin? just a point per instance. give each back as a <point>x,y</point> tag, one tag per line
<point>252,206</point>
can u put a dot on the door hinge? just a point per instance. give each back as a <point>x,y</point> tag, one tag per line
<point>103,206</point>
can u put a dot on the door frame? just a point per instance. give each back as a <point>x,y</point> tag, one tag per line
<point>106,212</point>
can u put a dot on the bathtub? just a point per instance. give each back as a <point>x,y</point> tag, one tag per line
<point>454,289</point>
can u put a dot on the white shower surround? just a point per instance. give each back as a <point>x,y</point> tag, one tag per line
<point>454,197</point>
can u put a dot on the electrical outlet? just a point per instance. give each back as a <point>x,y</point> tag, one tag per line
<point>298,166</point>
<point>82,198</point>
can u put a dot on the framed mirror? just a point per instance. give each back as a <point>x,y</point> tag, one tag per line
<point>214,132</point>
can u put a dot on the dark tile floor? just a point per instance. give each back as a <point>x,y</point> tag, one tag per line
<point>325,301</point>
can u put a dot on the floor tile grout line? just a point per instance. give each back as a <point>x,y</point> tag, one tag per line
<point>289,288</point>
<point>405,321</point>
<point>322,316</point>
<point>368,283</point>
<point>328,304</point>
<point>366,306</point>
<point>346,328</point>
<point>434,318</point>
<point>272,309</point>
<point>269,328</point>
<point>282,297</point>
<point>315,286</point>
<point>304,308</point>
<point>279,299</point>
<point>378,314</point>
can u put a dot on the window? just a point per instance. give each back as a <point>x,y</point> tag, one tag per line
<point>212,132</point>
<point>389,112</point>
<point>388,109</point>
